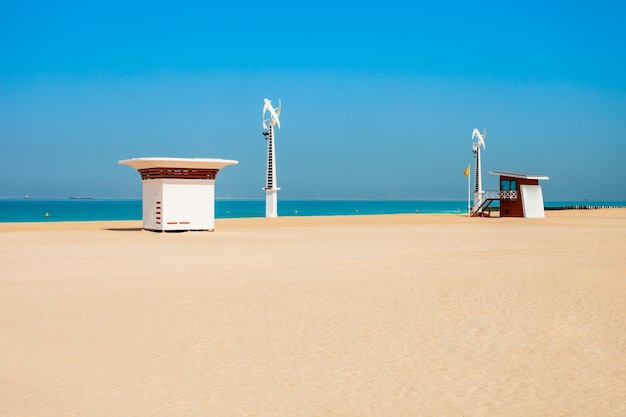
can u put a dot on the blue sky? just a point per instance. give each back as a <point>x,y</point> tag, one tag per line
<point>379,98</point>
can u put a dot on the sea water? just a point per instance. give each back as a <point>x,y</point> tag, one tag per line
<point>51,210</point>
<point>55,210</point>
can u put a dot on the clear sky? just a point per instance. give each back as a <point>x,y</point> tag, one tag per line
<point>379,98</point>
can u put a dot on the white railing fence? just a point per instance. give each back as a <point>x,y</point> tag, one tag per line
<point>491,195</point>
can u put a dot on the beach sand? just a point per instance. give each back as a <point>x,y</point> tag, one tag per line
<point>390,315</point>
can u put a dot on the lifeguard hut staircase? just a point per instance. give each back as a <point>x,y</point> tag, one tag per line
<point>482,206</point>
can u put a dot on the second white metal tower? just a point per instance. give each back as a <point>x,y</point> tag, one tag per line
<point>271,186</point>
<point>478,140</point>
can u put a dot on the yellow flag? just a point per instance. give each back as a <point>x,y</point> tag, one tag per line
<point>466,172</point>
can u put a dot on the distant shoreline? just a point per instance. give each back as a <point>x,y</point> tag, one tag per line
<point>567,204</point>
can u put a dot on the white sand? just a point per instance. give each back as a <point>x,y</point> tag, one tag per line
<point>407,315</point>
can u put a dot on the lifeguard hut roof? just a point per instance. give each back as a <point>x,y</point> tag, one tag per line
<point>522,176</point>
<point>185,163</point>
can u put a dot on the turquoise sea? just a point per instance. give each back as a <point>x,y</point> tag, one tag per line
<point>68,209</point>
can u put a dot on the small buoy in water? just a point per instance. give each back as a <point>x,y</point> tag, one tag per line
<point>227,211</point>
<point>47,214</point>
<point>356,211</point>
<point>295,211</point>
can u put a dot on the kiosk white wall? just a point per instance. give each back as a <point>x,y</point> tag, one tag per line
<point>173,204</point>
<point>178,194</point>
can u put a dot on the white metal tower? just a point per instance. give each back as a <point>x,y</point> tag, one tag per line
<point>478,140</point>
<point>271,185</point>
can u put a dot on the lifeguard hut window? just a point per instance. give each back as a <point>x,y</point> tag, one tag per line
<point>508,185</point>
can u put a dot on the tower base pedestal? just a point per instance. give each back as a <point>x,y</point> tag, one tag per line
<point>271,202</point>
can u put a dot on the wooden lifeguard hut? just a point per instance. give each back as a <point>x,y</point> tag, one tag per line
<point>178,194</point>
<point>520,195</point>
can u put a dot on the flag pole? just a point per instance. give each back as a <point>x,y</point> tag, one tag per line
<point>467,174</point>
<point>468,195</point>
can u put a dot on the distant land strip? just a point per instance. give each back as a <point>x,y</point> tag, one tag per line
<point>591,207</point>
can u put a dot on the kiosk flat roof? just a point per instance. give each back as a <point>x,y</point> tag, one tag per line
<point>189,163</point>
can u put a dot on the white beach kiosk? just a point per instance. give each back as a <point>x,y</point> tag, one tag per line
<point>178,194</point>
